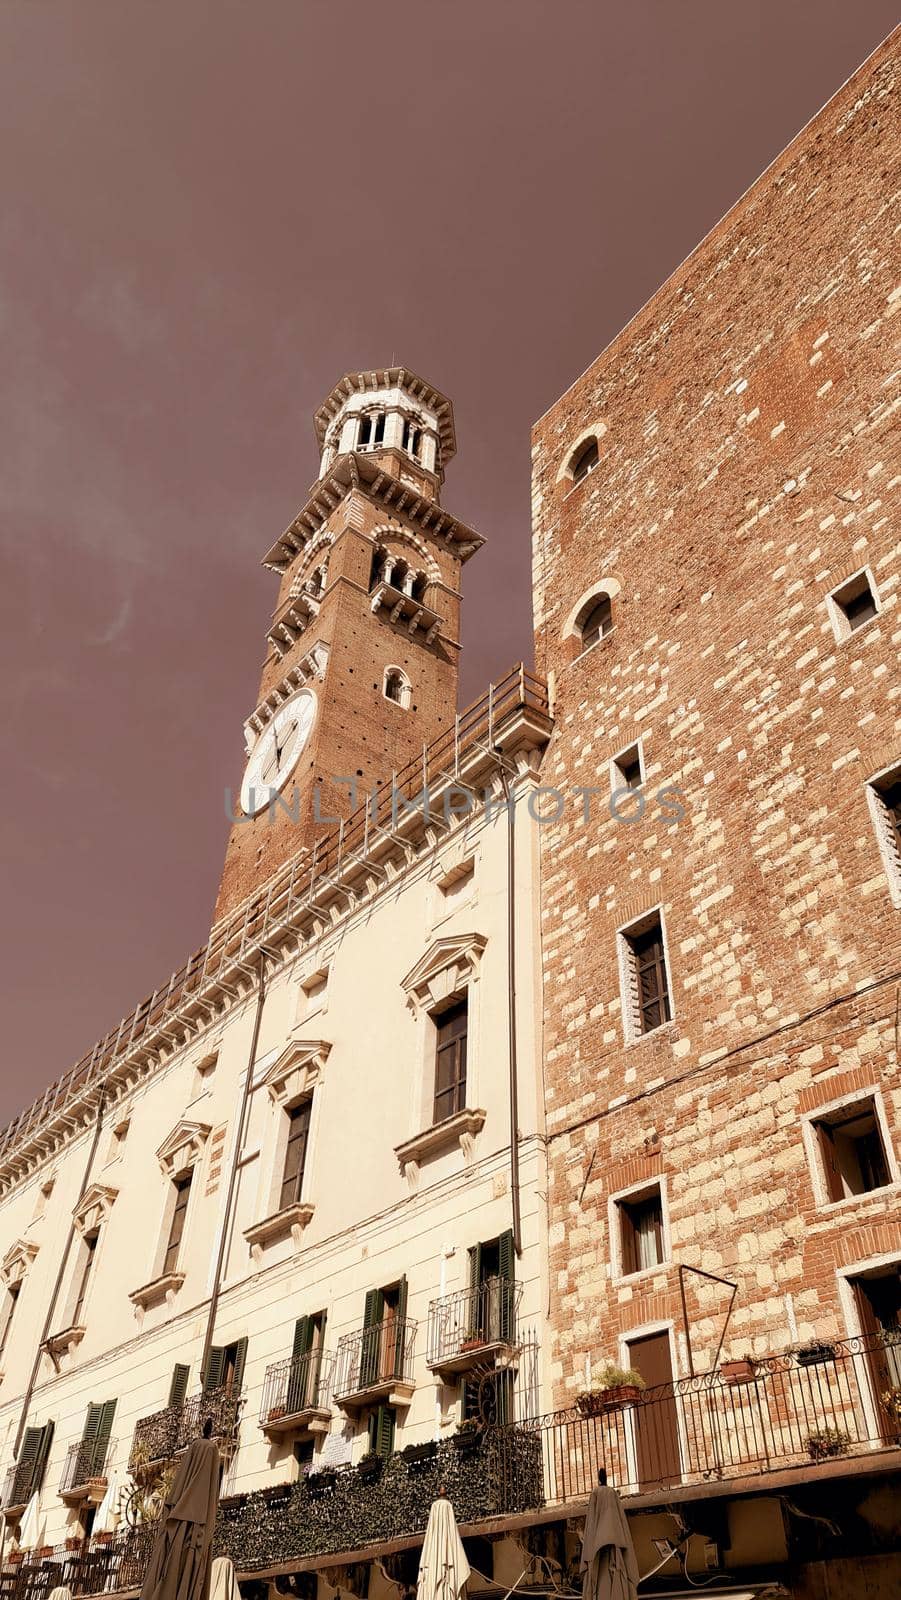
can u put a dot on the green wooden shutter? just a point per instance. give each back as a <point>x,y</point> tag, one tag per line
<point>91,1425</point>
<point>400,1338</point>
<point>381,1432</point>
<point>240,1349</point>
<point>104,1433</point>
<point>373,1314</point>
<point>178,1389</point>
<point>43,1452</point>
<point>303,1337</point>
<point>506,1259</point>
<point>28,1455</point>
<point>298,1372</point>
<point>212,1372</point>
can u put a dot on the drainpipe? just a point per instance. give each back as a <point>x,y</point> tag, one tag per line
<point>235,1167</point>
<point>511,1009</point>
<point>51,1310</point>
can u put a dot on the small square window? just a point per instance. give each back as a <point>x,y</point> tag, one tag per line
<point>639,1219</point>
<point>884,799</point>
<point>314,989</point>
<point>644,976</point>
<point>203,1074</point>
<point>627,769</point>
<point>852,1152</point>
<point>853,604</point>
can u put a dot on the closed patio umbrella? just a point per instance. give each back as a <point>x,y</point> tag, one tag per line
<point>223,1582</point>
<point>61,1593</point>
<point>608,1566</point>
<point>31,1528</point>
<point>107,1518</point>
<point>179,1565</point>
<point>443,1567</point>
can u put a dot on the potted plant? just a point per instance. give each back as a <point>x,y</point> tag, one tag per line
<point>16,1557</point>
<point>369,1467</point>
<point>828,1442</point>
<point>103,1538</point>
<point>814,1353</point>
<point>613,1387</point>
<point>891,1402</point>
<point>43,1553</point>
<point>416,1455</point>
<point>472,1341</point>
<point>468,1437</point>
<point>741,1370</point>
<point>72,1544</point>
<point>276,1413</point>
<point>96,1481</point>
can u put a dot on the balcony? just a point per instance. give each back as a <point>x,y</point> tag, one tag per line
<point>474,1328</point>
<point>399,606</point>
<point>162,1435</point>
<point>18,1488</point>
<point>375,1366</point>
<point>297,1395</point>
<point>84,1478</point>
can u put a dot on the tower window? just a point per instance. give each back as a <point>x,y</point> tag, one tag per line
<point>451,1029</point>
<point>627,770</point>
<point>597,621</point>
<point>372,429</point>
<point>177,1226</point>
<point>411,438</point>
<point>584,461</point>
<point>852,605</point>
<point>397,688</point>
<point>884,798</point>
<point>644,977</point>
<point>295,1154</point>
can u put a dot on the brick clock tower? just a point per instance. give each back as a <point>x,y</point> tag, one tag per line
<point>362,653</point>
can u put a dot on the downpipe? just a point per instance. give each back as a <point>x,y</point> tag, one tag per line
<point>510,800</point>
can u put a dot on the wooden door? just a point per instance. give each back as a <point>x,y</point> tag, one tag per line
<point>658,1456</point>
<point>879,1308</point>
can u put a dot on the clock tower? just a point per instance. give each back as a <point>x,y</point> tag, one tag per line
<point>362,652</point>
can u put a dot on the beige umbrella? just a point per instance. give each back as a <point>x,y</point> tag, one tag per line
<point>107,1518</point>
<point>443,1567</point>
<point>31,1528</point>
<point>608,1566</point>
<point>180,1560</point>
<point>62,1593</point>
<point>223,1583</point>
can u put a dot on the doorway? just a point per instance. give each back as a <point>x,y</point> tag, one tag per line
<point>877,1298</point>
<point>656,1420</point>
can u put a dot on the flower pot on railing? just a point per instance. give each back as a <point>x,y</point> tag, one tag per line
<point>16,1557</point>
<point>614,1388</point>
<point>815,1353</point>
<point>276,1413</point>
<point>419,1455</point>
<point>467,1439</point>
<point>739,1371</point>
<point>473,1341</point>
<point>72,1545</point>
<point>97,1481</point>
<point>830,1442</point>
<point>369,1467</point>
<point>891,1402</point>
<point>103,1538</point>
<point>44,1552</point>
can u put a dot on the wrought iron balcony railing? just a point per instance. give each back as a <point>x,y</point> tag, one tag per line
<point>162,1435</point>
<point>18,1486</point>
<point>84,1472</point>
<point>474,1326</point>
<point>376,1363</point>
<point>297,1393</point>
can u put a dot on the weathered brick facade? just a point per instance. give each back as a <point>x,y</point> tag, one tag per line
<point>748,465</point>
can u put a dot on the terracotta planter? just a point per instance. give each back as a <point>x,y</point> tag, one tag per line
<point>276,1413</point>
<point>737,1371</point>
<point>72,1545</point>
<point>44,1553</point>
<point>815,1355</point>
<point>472,1344</point>
<point>16,1557</point>
<point>597,1401</point>
<point>103,1538</point>
<point>370,1471</point>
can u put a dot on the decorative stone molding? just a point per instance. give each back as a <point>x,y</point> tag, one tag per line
<point>296,1071</point>
<point>448,967</point>
<point>16,1262</point>
<point>183,1148</point>
<point>293,1220</point>
<point>460,1129</point>
<point>94,1207</point>
<point>64,1342</point>
<point>158,1290</point>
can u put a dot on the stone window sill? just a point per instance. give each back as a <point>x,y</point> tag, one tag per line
<point>152,1294</point>
<point>292,1220</point>
<point>63,1343</point>
<point>460,1129</point>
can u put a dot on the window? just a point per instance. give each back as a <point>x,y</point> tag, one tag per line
<point>411,437</point>
<point>852,1151</point>
<point>450,1061</point>
<point>118,1139</point>
<point>386,1346</point>
<point>597,621</point>
<point>178,1388</point>
<point>372,429</point>
<point>315,991</point>
<point>627,769</point>
<point>639,1219</point>
<point>884,799</point>
<point>381,1431</point>
<point>853,604</point>
<point>182,1188</point>
<point>204,1073</point>
<point>85,1268</point>
<point>306,1364</point>
<point>31,1465</point>
<point>396,687</point>
<point>584,461</point>
<point>644,976</point>
<point>295,1154</point>
<point>224,1370</point>
<point>95,1440</point>
<point>7,1314</point>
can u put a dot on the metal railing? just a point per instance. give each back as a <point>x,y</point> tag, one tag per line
<point>473,1322</point>
<point>374,1357</point>
<point>19,1485</point>
<point>302,1383</point>
<point>163,1434</point>
<point>235,941</point>
<point>85,1462</point>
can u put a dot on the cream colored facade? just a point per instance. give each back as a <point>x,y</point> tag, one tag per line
<point>345,1018</point>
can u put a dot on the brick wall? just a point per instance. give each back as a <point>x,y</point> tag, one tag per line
<point>749,463</point>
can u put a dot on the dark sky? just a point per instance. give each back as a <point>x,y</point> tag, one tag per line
<point>210,211</point>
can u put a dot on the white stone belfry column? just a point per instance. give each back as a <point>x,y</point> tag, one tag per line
<point>428,453</point>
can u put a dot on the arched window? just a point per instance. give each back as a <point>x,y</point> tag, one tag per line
<point>411,438</point>
<point>397,687</point>
<point>597,621</point>
<point>585,460</point>
<point>372,429</point>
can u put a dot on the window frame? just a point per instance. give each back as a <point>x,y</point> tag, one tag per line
<point>617,785</point>
<point>301,1108</point>
<point>182,1184</point>
<point>888,833</point>
<point>813,1147</point>
<point>843,629</point>
<point>632,1195</point>
<point>458,1045</point>
<point>630,1000</point>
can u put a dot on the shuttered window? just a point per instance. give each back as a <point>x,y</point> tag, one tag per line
<point>178,1389</point>
<point>381,1432</point>
<point>852,1153</point>
<point>9,1311</point>
<point>85,1268</point>
<point>450,1061</point>
<point>644,971</point>
<point>177,1227</point>
<point>295,1154</point>
<point>225,1367</point>
<point>95,1439</point>
<point>32,1463</point>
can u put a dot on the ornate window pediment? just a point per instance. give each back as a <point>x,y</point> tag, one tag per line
<point>183,1148</point>
<point>94,1207</point>
<point>448,966</point>
<point>16,1262</point>
<point>296,1071</point>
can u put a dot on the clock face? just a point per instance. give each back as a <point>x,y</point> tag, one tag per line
<point>276,751</point>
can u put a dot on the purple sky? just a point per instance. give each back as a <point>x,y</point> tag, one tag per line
<point>210,211</point>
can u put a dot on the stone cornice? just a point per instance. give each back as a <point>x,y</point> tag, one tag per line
<point>390,378</point>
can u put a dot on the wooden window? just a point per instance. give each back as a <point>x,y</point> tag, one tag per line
<point>492,1271</point>
<point>585,460</point>
<point>648,998</point>
<point>852,1152</point>
<point>178,1388</point>
<point>86,1267</point>
<point>597,621</point>
<point>177,1226</point>
<point>95,1440</point>
<point>383,1352</point>
<point>224,1368</point>
<point>295,1154</point>
<point>9,1311</point>
<point>641,1231</point>
<point>306,1363</point>
<point>381,1431</point>
<point>884,797</point>
<point>450,1061</point>
<point>32,1463</point>
<point>852,605</point>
